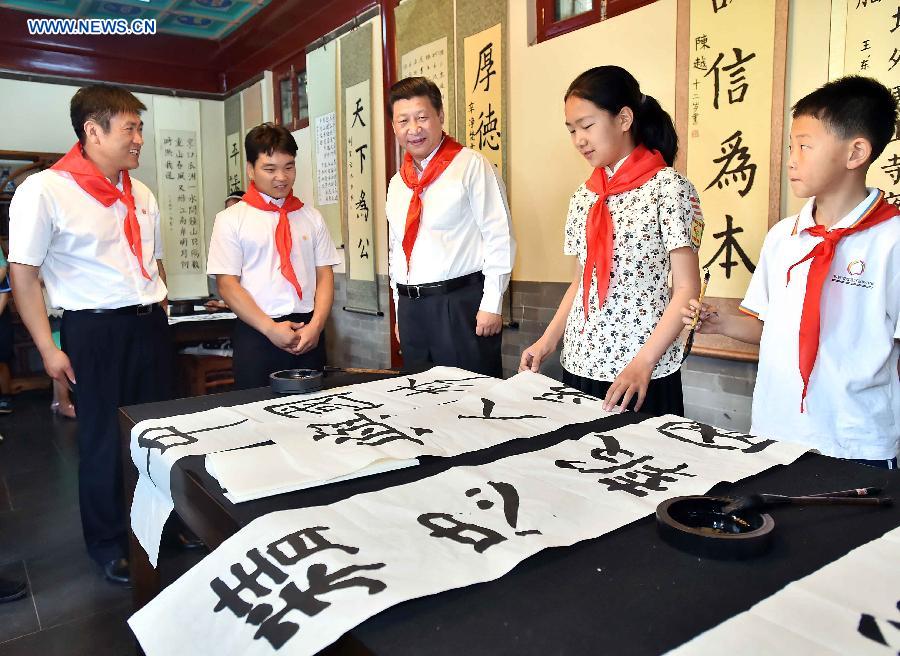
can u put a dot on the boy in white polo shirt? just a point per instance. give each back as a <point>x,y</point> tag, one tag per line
<point>824,301</point>
<point>272,258</point>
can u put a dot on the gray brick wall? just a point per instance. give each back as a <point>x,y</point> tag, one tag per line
<point>354,339</point>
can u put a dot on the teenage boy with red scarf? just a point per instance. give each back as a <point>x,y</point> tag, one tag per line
<point>272,257</point>
<point>824,301</point>
<point>94,235</point>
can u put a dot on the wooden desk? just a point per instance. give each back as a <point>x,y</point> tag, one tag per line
<point>623,593</point>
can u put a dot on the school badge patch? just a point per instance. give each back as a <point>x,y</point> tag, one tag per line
<point>696,222</point>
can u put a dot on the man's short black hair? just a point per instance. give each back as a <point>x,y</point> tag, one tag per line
<point>99,103</point>
<point>413,87</point>
<point>854,106</point>
<point>269,138</point>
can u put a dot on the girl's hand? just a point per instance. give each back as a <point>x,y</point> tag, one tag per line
<point>632,382</point>
<point>709,321</point>
<point>534,355</point>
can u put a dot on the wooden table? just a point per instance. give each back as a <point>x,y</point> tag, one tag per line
<point>626,592</point>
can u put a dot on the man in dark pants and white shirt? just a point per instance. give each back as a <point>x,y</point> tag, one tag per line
<point>450,239</point>
<point>93,234</point>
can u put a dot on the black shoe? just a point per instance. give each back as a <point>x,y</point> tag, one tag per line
<point>190,541</point>
<point>12,590</point>
<point>6,405</point>
<point>116,571</point>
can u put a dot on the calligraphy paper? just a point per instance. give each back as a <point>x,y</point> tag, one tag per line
<point>294,581</point>
<point>850,606</point>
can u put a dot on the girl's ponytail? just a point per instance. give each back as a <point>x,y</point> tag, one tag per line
<point>654,128</point>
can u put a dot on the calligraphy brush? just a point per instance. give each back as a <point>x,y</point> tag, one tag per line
<point>689,344</point>
<point>759,501</point>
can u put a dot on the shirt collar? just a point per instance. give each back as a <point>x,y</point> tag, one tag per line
<point>611,170</point>
<point>806,219</point>
<point>425,161</point>
<point>277,201</point>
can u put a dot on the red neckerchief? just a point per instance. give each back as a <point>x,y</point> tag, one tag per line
<point>641,165</point>
<point>438,164</point>
<point>821,255</point>
<point>91,180</point>
<point>283,241</point>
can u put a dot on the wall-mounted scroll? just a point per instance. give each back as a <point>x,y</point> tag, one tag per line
<point>484,93</point>
<point>429,60</point>
<point>358,158</point>
<point>481,66</point>
<point>321,87</point>
<point>234,144</point>
<point>732,63</point>
<point>178,163</point>
<point>873,49</point>
<point>326,177</point>
<point>234,152</point>
<point>424,47</point>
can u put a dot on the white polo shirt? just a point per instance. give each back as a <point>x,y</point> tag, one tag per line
<point>243,244</point>
<point>852,407</point>
<point>465,228</point>
<point>80,245</point>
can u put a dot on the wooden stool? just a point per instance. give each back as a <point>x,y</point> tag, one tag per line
<point>204,374</point>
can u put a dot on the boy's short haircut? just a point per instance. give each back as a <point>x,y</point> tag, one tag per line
<point>269,138</point>
<point>414,87</point>
<point>99,103</point>
<point>853,106</point>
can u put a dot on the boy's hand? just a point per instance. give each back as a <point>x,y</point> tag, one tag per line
<point>709,321</point>
<point>282,334</point>
<point>308,338</point>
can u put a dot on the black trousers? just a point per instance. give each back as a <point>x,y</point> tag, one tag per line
<point>255,357</point>
<point>440,330</point>
<point>664,395</point>
<point>118,360</point>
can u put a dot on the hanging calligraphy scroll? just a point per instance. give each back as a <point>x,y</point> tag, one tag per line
<point>484,91</point>
<point>321,87</point>
<point>296,580</point>
<point>424,43</point>
<point>358,158</point>
<point>178,164</point>
<point>234,143</point>
<point>872,48</point>
<point>731,60</point>
<point>481,66</point>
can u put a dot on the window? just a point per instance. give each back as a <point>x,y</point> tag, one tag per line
<point>291,101</point>
<point>556,17</point>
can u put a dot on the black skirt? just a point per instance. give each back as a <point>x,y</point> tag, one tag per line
<point>664,395</point>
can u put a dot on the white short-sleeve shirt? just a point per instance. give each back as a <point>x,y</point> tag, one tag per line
<point>465,228</point>
<point>80,245</point>
<point>852,407</point>
<point>648,223</point>
<point>243,245</point>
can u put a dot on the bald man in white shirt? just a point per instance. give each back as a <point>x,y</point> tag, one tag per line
<point>450,240</point>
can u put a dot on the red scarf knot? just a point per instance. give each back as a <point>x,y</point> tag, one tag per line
<point>283,241</point>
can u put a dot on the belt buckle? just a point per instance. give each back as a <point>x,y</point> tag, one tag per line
<point>418,292</point>
<point>143,310</point>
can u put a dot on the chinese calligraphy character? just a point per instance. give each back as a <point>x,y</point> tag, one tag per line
<point>365,432</point>
<point>487,132</point>
<point>736,79</point>
<point>361,207</point>
<point>694,432</point>
<point>488,409</point>
<point>320,405</point>
<point>361,151</point>
<point>357,114</point>
<point>892,168</point>
<point>735,160</point>
<point>485,67</point>
<point>729,243</point>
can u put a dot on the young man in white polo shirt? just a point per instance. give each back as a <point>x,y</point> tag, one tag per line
<point>93,234</point>
<point>824,301</point>
<point>272,257</point>
<point>451,248</point>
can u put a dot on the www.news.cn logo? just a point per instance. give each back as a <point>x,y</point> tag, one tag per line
<point>92,26</point>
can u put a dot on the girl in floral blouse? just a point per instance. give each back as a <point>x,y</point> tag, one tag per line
<point>634,221</point>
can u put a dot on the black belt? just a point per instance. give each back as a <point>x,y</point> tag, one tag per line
<point>435,288</point>
<point>138,310</point>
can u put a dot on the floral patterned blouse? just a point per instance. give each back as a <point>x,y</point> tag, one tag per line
<point>648,222</point>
